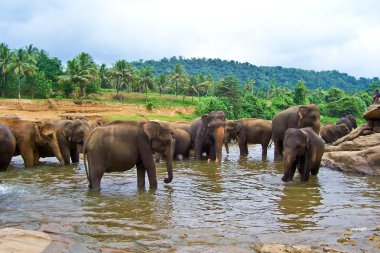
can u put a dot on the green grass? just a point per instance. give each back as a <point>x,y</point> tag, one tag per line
<point>178,117</point>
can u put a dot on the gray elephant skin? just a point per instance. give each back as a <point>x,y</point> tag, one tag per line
<point>207,135</point>
<point>71,135</point>
<point>181,143</point>
<point>248,131</point>
<point>294,117</point>
<point>349,120</point>
<point>330,132</point>
<point>120,145</point>
<point>30,136</point>
<point>303,149</point>
<point>7,147</point>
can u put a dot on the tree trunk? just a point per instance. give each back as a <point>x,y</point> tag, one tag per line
<point>19,87</point>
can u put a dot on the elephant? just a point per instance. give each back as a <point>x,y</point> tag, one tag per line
<point>71,134</point>
<point>207,135</point>
<point>7,147</point>
<point>120,145</point>
<point>294,117</point>
<point>349,120</point>
<point>303,149</point>
<point>330,132</point>
<point>30,136</point>
<point>182,145</point>
<point>248,131</point>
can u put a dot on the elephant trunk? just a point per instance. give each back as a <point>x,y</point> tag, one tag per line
<point>226,145</point>
<point>169,163</point>
<point>289,163</point>
<point>219,139</point>
<point>53,144</point>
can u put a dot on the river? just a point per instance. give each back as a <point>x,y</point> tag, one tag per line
<point>207,208</point>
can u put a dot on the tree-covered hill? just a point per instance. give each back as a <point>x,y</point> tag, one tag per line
<point>263,76</point>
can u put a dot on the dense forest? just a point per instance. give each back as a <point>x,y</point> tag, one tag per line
<point>239,89</point>
<point>263,76</point>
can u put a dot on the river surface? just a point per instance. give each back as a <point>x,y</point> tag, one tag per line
<point>207,208</point>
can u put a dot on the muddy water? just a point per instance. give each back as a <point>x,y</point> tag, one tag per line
<point>205,208</point>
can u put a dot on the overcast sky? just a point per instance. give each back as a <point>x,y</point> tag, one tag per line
<point>338,35</point>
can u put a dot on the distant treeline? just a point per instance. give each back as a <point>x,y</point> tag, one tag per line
<point>264,77</point>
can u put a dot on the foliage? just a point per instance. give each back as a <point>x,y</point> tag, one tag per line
<point>300,93</point>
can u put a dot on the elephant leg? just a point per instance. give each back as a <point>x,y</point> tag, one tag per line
<point>264,149</point>
<point>243,147</point>
<point>74,154</point>
<point>303,170</point>
<point>27,156</point>
<point>65,152</point>
<point>140,175</point>
<point>289,172</point>
<point>212,153</point>
<point>278,149</point>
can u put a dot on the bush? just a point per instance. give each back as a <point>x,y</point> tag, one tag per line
<point>43,89</point>
<point>149,106</point>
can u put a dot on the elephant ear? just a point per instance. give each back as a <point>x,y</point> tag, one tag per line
<point>66,130</point>
<point>239,127</point>
<point>302,112</point>
<point>37,128</point>
<point>204,119</point>
<point>152,129</point>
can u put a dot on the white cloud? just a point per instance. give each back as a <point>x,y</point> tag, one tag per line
<point>319,35</point>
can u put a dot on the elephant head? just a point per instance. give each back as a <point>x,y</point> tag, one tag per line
<point>213,125</point>
<point>309,116</point>
<point>231,131</point>
<point>46,133</point>
<point>296,148</point>
<point>352,119</point>
<point>162,138</point>
<point>76,131</point>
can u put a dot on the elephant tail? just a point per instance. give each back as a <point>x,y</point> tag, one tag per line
<point>86,168</point>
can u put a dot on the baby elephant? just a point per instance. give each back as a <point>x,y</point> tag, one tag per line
<point>330,132</point>
<point>303,149</point>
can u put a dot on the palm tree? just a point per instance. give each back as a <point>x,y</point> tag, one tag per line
<point>5,58</point>
<point>179,76</point>
<point>81,71</point>
<point>103,75</point>
<point>191,87</point>
<point>21,65</point>
<point>161,81</point>
<point>123,72</point>
<point>249,85</point>
<point>146,80</point>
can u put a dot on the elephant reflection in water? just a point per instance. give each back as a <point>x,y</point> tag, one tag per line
<point>298,206</point>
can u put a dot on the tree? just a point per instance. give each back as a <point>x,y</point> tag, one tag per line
<point>81,71</point>
<point>146,80</point>
<point>178,76</point>
<point>21,65</point>
<point>5,59</point>
<point>103,76</point>
<point>249,85</point>
<point>124,73</point>
<point>300,92</point>
<point>161,82</point>
<point>228,87</point>
<point>333,94</point>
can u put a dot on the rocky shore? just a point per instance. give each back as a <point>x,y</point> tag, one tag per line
<point>359,151</point>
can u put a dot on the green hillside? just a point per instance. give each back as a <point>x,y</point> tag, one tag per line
<point>263,76</point>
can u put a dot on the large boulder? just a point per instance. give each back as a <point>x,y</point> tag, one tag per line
<point>359,143</point>
<point>366,161</point>
<point>372,113</point>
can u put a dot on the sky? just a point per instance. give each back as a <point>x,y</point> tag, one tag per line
<point>341,35</point>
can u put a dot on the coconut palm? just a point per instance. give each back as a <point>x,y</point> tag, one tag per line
<point>123,73</point>
<point>21,65</point>
<point>145,81</point>
<point>5,58</point>
<point>178,76</point>
<point>103,75</point>
<point>161,82</point>
<point>81,71</point>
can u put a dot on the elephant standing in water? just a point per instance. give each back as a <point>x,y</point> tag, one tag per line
<point>70,134</point>
<point>303,149</point>
<point>7,147</point>
<point>248,131</point>
<point>331,132</point>
<point>294,117</point>
<point>182,145</point>
<point>30,136</point>
<point>120,145</point>
<point>207,135</point>
<point>349,120</point>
